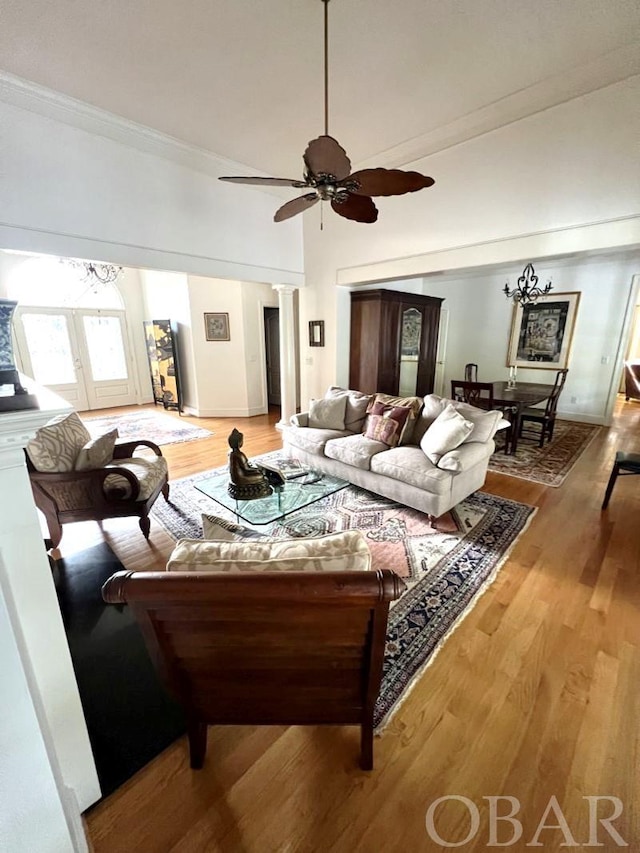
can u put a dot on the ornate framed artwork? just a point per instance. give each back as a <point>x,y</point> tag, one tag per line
<point>216,327</point>
<point>541,332</point>
<point>316,333</point>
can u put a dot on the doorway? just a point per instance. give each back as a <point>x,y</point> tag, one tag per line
<point>272,354</point>
<point>81,354</point>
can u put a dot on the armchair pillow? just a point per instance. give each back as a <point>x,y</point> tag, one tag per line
<point>447,432</point>
<point>56,445</point>
<point>98,452</point>
<point>346,551</point>
<point>327,413</point>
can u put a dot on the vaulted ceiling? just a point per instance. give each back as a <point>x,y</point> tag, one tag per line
<point>243,78</point>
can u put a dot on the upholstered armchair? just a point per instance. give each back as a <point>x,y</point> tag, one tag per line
<point>282,632</point>
<point>75,478</point>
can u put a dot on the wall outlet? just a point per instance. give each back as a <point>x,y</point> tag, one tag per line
<point>574,399</point>
<point>605,359</point>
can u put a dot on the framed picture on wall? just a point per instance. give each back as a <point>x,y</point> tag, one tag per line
<point>541,332</point>
<point>316,333</point>
<point>216,327</point>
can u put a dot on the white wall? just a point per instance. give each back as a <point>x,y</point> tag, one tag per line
<point>558,176</point>
<point>31,816</point>
<point>69,192</point>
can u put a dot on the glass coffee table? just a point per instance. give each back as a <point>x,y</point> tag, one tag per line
<point>300,490</point>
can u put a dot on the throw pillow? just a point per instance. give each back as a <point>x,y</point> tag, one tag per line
<point>56,445</point>
<point>345,551</point>
<point>220,529</point>
<point>356,410</point>
<point>413,403</point>
<point>97,453</point>
<point>485,423</point>
<point>385,423</point>
<point>447,432</point>
<point>327,414</point>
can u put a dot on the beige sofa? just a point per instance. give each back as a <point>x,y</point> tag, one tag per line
<point>403,473</point>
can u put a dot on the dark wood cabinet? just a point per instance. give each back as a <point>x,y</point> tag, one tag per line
<point>394,339</point>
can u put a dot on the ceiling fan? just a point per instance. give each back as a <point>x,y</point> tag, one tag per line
<point>328,172</point>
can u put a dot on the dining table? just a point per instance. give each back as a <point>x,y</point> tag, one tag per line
<point>518,396</point>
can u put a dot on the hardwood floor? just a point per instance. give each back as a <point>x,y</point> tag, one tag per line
<point>535,695</point>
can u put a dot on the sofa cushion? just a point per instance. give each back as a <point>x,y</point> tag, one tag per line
<point>465,456</point>
<point>98,452</point>
<point>356,409</point>
<point>57,444</point>
<point>446,433</point>
<point>413,403</point>
<point>410,465</point>
<point>148,471</point>
<point>327,414</point>
<point>385,423</point>
<point>345,551</point>
<point>355,450</point>
<point>312,440</point>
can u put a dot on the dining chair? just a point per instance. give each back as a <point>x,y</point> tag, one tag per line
<point>471,372</point>
<point>479,394</point>
<point>625,463</point>
<point>545,417</point>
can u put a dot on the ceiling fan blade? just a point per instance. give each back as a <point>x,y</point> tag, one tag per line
<point>296,205</point>
<point>389,182</point>
<point>358,208</point>
<point>326,156</point>
<point>266,182</point>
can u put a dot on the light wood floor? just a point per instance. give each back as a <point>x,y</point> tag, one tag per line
<point>536,694</point>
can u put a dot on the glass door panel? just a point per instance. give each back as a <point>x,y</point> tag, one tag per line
<point>409,351</point>
<point>49,344</point>
<point>105,346</point>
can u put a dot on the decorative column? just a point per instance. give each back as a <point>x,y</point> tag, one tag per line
<point>34,618</point>
<point>287,354</point>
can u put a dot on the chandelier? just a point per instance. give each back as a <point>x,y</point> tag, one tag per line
<point>95,273</point>
<point>527,289</point>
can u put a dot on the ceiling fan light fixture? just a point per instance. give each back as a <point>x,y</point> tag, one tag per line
<point>328,172</point>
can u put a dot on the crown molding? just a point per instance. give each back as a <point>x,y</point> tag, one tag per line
<point>34,98</point>
<point>604,71</point>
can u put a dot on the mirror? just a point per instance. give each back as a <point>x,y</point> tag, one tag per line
<point>410,351</point>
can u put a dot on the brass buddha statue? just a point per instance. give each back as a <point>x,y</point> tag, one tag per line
<point>247,481</point>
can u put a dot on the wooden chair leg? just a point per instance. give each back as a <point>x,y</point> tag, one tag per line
<point>611,484</point>
<point>145,525</point>
<point>366,745</point>
<point>197,732</point>
<point>55,528</point>
<point>165,491</point>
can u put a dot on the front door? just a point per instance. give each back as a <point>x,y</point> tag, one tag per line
<point>80,354</point>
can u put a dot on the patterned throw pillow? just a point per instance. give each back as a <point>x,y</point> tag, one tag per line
<point>385,423</point>
<point>414,404</point>
<point>97,453</point>
<point>56,445</point>
<point>221,530</point>
<point>345,551</point>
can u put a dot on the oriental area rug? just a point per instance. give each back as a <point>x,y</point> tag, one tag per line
<point>149,425</point>
<point>446,570</point>
<point>550,464</point>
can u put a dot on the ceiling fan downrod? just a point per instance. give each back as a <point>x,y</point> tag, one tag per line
<point>326,67</point>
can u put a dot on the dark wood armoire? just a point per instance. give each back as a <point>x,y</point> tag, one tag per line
<point>394,339</point>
